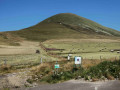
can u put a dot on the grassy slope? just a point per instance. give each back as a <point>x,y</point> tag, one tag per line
<point>72,19</point>
<point>8,39</point>
<point>65,26</point>
<point>47,31</point>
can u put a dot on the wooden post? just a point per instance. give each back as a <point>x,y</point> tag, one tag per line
<point>41,60</point>
<point>91,58</point>
<point>74,68</point>
<point>68,58</point>
<point>81,62</point>
<point>119,59</point>
<point>5,62</point>
<point>101,58</point>
<point>56,69</point>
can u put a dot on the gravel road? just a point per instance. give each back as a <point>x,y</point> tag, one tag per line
<point>80,85</point>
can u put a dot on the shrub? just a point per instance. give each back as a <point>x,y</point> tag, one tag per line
<point>106,69</point>
<point>59,77</point>
<point>30,81</point>
<point>5,67</point>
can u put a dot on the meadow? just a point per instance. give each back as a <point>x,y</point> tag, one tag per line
<point>89,49</point>
<point>24,55</point>
<point>86,48</point>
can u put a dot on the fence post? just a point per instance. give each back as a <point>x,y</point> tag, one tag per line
<point>41,60</point>
<point>101,58</point>
<point>119,59</point>
<point>5,62</point>
<point>91,58</point>
<point>68,58</point>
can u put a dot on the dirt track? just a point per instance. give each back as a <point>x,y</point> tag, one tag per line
<point>81,85</point>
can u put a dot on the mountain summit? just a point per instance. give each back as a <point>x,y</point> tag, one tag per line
<point>66,25</point>
<point>72,19</point>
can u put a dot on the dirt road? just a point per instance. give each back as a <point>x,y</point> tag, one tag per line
<point>81,85</point>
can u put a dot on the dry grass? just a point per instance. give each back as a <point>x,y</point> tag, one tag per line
<point>86,63</point>
<point>26,47</point>
<point>94,79</point>
<point>110,77</point>
<point>79,40</point>
<point>5,69</point>
<point>43,68</point>
<point>68,66</point>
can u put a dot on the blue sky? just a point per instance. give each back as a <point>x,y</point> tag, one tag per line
<point>19,14</point>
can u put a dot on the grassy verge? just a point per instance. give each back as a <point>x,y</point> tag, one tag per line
<point>105,70</point>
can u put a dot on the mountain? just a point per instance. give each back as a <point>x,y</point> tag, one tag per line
<point>75,20</point>
<point>66,25</point>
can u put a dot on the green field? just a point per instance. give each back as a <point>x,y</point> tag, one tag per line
<point>22,61</point>
<point>93,49</point>
<point>30,58</point>
<point>87,48</point>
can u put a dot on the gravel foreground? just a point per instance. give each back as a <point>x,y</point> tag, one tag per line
<point>80,85</point>
<point>17,83</point>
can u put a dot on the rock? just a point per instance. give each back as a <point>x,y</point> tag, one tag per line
<point>94,79</point>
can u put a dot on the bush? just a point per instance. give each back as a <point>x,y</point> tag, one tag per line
<point>106,69</point>
<point>30,81</point>
<point>5,67</point>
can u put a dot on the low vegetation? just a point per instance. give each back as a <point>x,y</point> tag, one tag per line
<point>5,69</point>
<point>106,70</point>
